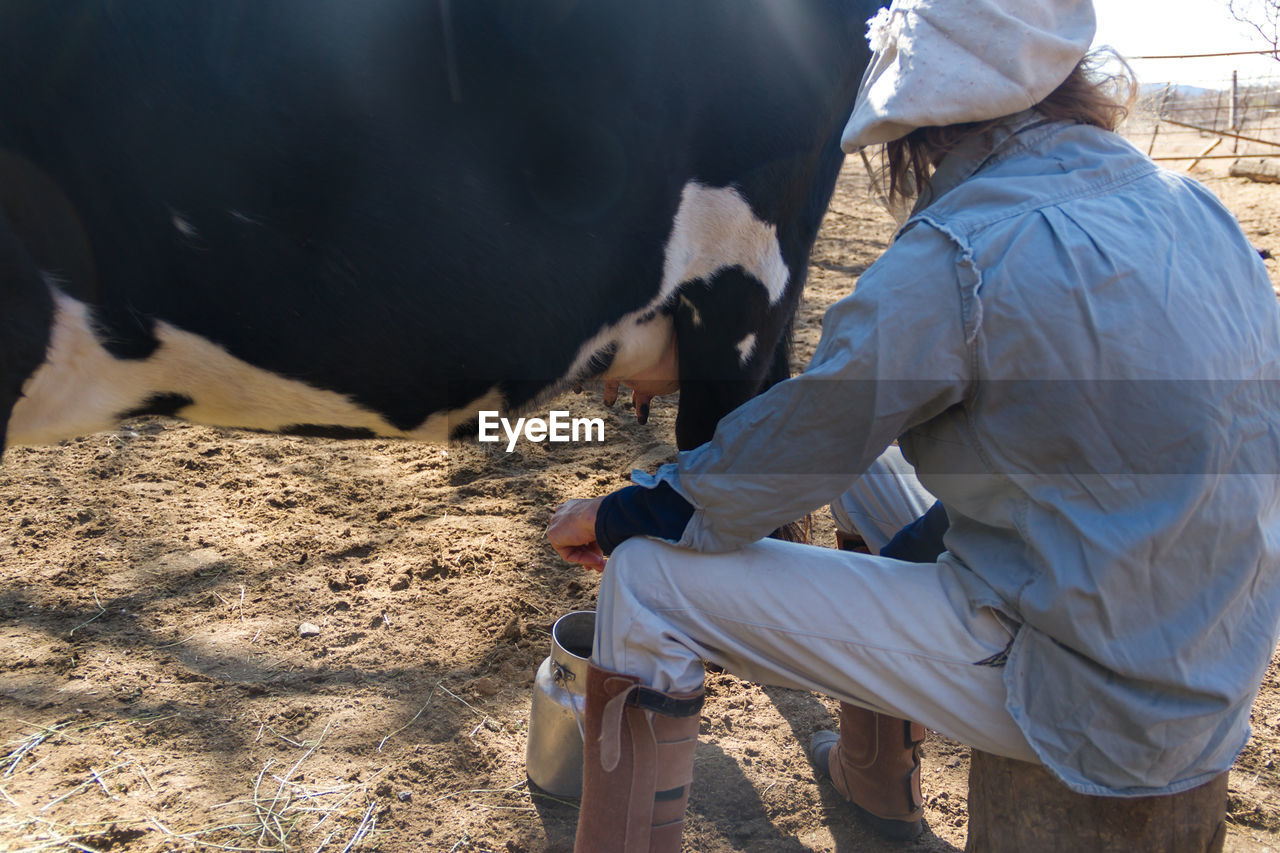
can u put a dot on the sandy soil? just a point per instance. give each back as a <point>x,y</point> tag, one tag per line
<point>157,693</point>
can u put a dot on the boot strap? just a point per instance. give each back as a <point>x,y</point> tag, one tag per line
<point>913,734</point>
<point>647,699</point>
<point>664,703</point>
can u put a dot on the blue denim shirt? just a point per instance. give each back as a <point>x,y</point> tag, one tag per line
<point>1079,352</point>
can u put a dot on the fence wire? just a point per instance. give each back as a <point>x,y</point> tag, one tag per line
<point>1215,118</point>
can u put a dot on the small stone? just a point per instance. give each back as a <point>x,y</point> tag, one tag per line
<point>306,629</point>
<point>404,796</point>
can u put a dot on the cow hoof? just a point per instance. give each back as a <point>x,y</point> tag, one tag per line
<point>642,412</point>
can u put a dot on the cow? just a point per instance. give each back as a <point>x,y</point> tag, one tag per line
<point>381,217</point>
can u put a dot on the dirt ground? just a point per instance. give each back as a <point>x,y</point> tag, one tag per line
<point>157,692</point>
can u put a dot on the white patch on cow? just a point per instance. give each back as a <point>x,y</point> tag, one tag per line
<point>81,388</point>
<point>746,348</point>
<point>714,229</point>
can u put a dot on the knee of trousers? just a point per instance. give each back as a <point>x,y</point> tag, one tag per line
<point>634,631</point>
<point>638,575</point>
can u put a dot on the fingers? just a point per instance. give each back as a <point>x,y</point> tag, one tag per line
<point>572,532</point>
<point>587,556</point>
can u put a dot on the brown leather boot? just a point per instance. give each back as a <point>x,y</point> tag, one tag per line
<point>875,764</point>
<point>637,765</point>
<point>851,542</point>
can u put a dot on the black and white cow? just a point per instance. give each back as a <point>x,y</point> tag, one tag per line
<point>381,216</point>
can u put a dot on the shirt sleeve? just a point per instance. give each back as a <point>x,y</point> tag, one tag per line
<point>636,511</point>
<point>892,356</point>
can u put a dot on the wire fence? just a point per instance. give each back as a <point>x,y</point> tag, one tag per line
<point>1219,118</point>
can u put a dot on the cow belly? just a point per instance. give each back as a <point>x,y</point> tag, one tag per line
<point>82,388</point>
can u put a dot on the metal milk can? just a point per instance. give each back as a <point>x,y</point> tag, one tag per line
<point>553,752</point>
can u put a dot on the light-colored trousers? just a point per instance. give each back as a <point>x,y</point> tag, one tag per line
<point>896,637</point>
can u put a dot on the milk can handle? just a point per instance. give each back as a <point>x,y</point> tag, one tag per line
<point>562,675</point>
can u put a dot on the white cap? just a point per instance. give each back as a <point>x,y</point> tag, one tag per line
<point>941,62</point>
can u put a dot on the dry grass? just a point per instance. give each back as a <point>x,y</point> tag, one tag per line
<point>278,813</point>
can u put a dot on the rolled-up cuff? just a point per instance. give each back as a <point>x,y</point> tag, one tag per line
<point>657,511</point>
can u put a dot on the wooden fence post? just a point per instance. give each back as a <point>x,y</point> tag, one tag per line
<point>1235,117</point>
<point>1159,115</point>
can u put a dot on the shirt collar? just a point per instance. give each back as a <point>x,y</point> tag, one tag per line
<point>976,151</point>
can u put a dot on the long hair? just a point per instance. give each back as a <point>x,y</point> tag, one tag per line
<point>1089,95</point>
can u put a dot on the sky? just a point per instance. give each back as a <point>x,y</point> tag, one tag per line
<point>1161,27</point>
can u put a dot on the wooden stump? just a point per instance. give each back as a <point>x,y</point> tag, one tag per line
<point>1015,807</point>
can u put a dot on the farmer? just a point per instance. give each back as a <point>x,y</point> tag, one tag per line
<point>1078,355</point>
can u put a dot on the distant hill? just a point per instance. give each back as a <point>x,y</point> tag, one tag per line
<point>1155,90</point>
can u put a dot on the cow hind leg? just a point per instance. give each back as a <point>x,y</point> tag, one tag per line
<point>780,363</point>
<point>732,345</point>
<point>726,333</point>
<point>26,320</point>
<point>780,369</point>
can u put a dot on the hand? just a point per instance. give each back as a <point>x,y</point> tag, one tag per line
<point>572,532</point>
